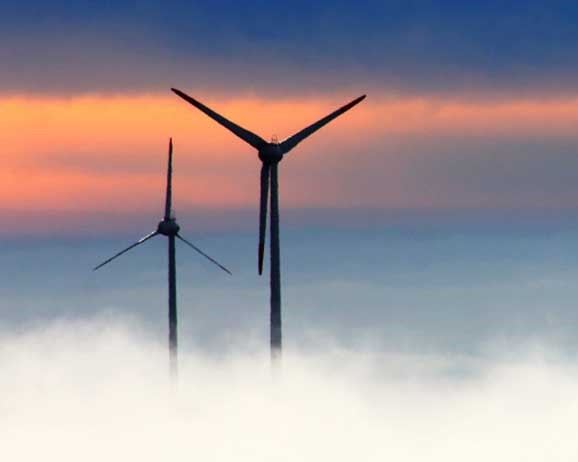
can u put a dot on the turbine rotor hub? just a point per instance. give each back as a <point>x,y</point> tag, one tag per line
<point>271,153</point>
<point>168,227</point>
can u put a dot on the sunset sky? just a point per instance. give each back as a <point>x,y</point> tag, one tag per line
<point>429,236</point>
<point>459,167</point>
<point>471,109</point>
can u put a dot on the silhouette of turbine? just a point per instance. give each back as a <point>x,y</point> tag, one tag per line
<point>168,227</point>
<point>270,154</point>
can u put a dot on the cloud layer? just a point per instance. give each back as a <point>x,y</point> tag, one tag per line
<point>410,47</point>
<point>98,391</point>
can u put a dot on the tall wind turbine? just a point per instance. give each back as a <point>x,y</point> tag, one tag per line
<point>270,154</point>
<point>168,227</point>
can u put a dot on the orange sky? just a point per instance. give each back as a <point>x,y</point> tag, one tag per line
<point>108,153</point>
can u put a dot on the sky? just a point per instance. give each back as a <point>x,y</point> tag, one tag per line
<point>471,107</point>
<point>428,236</point>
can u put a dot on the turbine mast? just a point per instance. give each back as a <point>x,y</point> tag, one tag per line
<point>172,307</point>
<point>276,340</point>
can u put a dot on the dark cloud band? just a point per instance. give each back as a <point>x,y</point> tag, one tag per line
<point>410,46</point>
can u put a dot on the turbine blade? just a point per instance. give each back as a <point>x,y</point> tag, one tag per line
<point>140,241</point>
<point>194,247</point>
<point>254,140</point>
<point>294,140</point>
<point>169,198</point>
<point>263,213</point>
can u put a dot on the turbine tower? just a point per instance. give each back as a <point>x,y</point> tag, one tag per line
<point>168,227</point>
<point>270,154</point>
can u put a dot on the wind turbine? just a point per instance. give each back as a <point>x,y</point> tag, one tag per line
<point>168,227</point>
<point>270,154</point>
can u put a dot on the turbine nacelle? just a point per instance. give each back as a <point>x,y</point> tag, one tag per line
<point>168,227</point>
<point>271,152</point>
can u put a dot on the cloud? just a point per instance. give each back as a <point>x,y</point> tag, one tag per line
<point>99,391</point>
<point>405,47</point>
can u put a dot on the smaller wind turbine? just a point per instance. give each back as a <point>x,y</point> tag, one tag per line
<point>168,227</point>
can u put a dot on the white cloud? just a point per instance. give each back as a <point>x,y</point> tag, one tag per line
<point>91,391</point>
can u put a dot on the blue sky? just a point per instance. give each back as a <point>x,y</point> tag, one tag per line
<point>420,47</point>
<point>415,291</point>
<point>476,141</point>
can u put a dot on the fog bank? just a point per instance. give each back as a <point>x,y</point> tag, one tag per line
<point>99,390</point>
